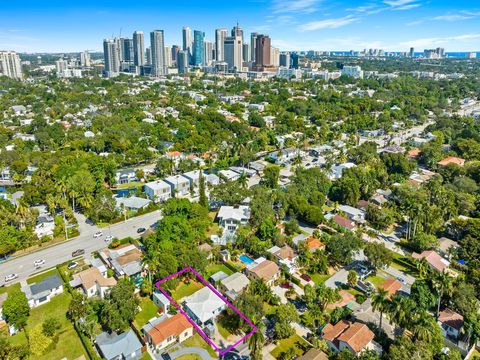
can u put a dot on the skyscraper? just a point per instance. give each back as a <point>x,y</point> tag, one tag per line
<point>111,57</point>
<point>274,56</point>
<point>138,48</point>
<point>208,53</point>
<point>175,50</point>
<point>148,54</point>
<point>182,61</point>
<point>10,65</point>
<point>85,59</point>
<point>285,60</point>
<point>233,53</point>
<point>237,31</point>
<point>157,48</point>
<point>198,48</point>
<point>246,52</point>
<point>127,50</point>
<point>220,35</point>
<point>168,56</point>
<point>253,45</point>
<point>263,49</point>
<point>412,52</point>
<point>187,39</point>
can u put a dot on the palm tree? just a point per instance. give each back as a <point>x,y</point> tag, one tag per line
<point>257,339</point>
<point>443,283</point>
<point>400,310</point>
<point>423,267</point>
<point>380,302</point>
<point>243,181</point>
<point>422,327</point>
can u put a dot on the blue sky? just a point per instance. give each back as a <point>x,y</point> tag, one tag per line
<point>394,25</point>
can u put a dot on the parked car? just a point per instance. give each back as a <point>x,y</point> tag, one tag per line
<point>306,277</point>
<point>286,285</point>
<point>109,238</point>
<point>72,265</point>
<point>11,277</point>
<point>402,280</point>
<point>97,234</point>
<point>78,252</point>
<point>140,230</point>
<point>39,263</point>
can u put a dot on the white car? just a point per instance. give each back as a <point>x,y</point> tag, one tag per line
<point>72,265</point>
<point>97,234</point>
<point>38,263</point>
<point>11,277</point>
<point>109,238</point>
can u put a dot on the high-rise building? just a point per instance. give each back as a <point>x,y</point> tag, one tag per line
<point>220,35</point>
<point>412,52</point>
<point>85,59</point>
<point>198,48</point>
<point>274,57</point>
<point>233,53</point>
<point>246,52</point>
<point>285,60</point>
<point>168,56</point>
<point>61,65</point>
<point>157,48</point>
<point>127,50</point>
<point>148,55</point>
<point>182,61</point>
<point>208,53</point>
<point>10,65</point>
<point>187,40</point>
<point>253,46</point>
<point>263,49</point>
<point>111,56</point>
<point>138,48</point>
<point>175,50</point>
<point>471,55</point>
<point>237,31</point>
<point>295,60</point>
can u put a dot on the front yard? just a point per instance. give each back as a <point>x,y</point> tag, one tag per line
<point>197,341</point>
<point>36,278</point>
<point>149,310</point>
<point>296,342</point>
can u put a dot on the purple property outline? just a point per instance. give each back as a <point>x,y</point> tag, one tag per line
<point>202,334</point>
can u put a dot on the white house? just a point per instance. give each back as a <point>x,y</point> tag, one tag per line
<point>203,306</point>
<point>158,191</point>
<point>180,185</point>
<point>337,170</point>
<point>352,213</point>
<point>229,175</point>
<point>93,283</point>
<point>161,301</point>
<point>194,178</point>
<point>125,176</point>
<point>231,217</point>
<point>43,291</point>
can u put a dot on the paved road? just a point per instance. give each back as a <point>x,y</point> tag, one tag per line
<point>57,254</point>
<point>192,350</point>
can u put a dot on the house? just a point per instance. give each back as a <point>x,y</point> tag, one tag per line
<point>158,191</point>
<point>132,203</point>
<point>243,171</point>
<point>299,239</point>
<point>125,176</point>
<point>217,277</point>
<point>125,346</point>
<point>212,179</point>
<point>262,269</point>
<point>231,217</point>
<point>436,261</point>
<point>343,222</point>
<point>125,260</point>
<point>203,305</point>
<point>166,331</point>
<point>229,175</point>
<point>45,224</point>
<point>285,256</point>
<point>446,246</point>
<point>161,301</point>
<point>313,354</point>
<point>233,285</point>
<point>194,179</point>
<point>336,171</point>
<point>352,213</point>
<point>179,185</point>
<point>285,155</point>
<point>452,160</point>
<point>378,199</point>
<point>354,337</point>
<point>313,244</point>
<point>451,323</point>
<point>92,282</point>
<point>43,291</point>
<point>391,286</point>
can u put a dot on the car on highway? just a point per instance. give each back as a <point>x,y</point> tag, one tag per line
<point>140,230</point>
<point>72,265</point>
<point>78,252</point>
<point>39,263</point>
<point>97,234</point>
<point>306,277</point>
<point>11,277</point>
<point>108,238</point>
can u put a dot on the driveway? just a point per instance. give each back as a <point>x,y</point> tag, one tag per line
<point>190,350</point>
<point>365,313</point>
<point>337,279</point>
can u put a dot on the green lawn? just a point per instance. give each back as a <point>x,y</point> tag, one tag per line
<point>294,341</point>
<point>9,289</point>
<point>68,344</point>
<point>36,278</point>
<point>222,330</point>
<point>189,357</point>
<point>319,279</point>
<point>130,185</point>
<point>185,289</point>
<point>146,356</point>
<point>214,268</point>
<point>197,341</point>
<point>149,310</point>
<point>376,280</point>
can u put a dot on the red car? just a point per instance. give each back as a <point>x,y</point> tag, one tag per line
<point>286,285</point>
<point>306,277</point>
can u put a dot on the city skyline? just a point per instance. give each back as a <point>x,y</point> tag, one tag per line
<point>292,25</point>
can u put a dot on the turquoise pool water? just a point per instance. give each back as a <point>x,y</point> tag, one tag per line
<point>245,259</point>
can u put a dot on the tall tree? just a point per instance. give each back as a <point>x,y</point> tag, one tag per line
<point>16,309</point>
<point>380,302</point>
<point>121,306</point>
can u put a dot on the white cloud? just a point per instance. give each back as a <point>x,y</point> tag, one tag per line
<point>437,41</point>
<point>402,4</point>
<point>294,6</point>
<point>452,17</point>
<point>406,7</point>
<point>328,23</point>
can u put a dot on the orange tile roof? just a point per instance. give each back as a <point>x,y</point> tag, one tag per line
<point>174,153</point>
<point>357,336</point>
<point>452,160</point>
<point>346,299</point>
<point>285,252</point>
<point>266,270</point>
<point>173,326</point>
<point>331,332</point>
<point>391,286</point>
<point>346,223</point>
<point>413,153</point>
<point>314,243</point>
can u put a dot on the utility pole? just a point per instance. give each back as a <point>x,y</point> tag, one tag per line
<point>65,225</point>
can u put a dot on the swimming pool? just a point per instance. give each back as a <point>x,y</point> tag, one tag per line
<point>245,259</point>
